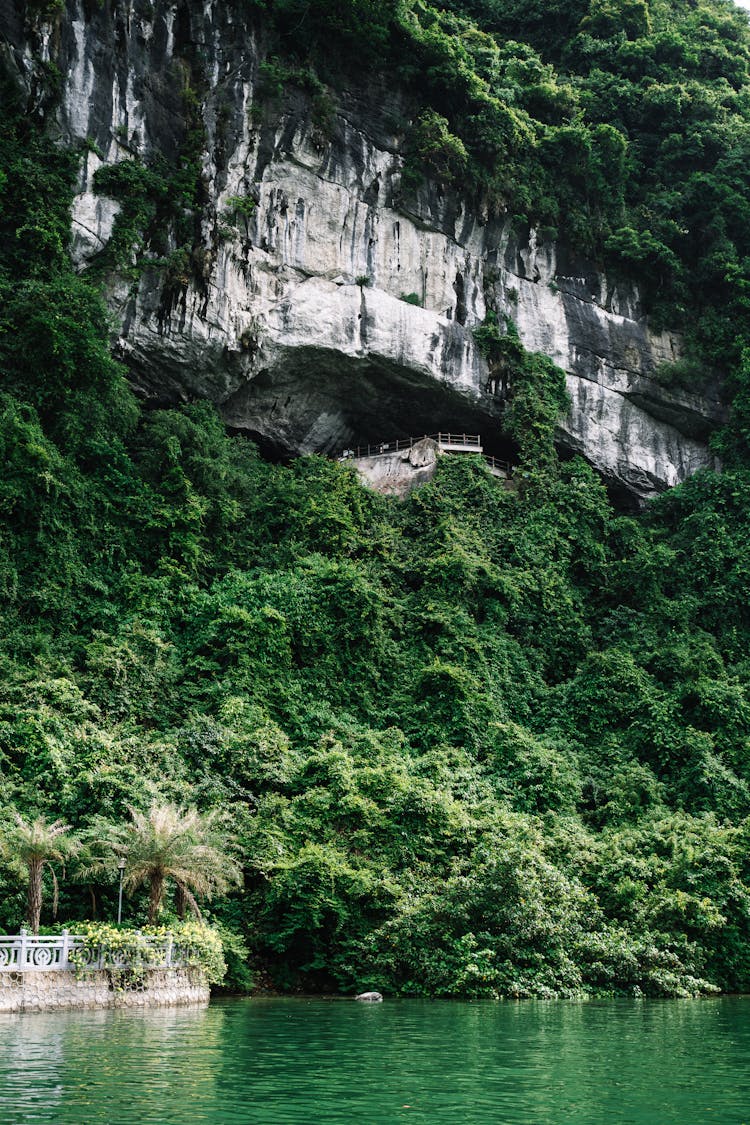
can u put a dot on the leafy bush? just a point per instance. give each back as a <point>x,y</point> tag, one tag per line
<point>199,946</point>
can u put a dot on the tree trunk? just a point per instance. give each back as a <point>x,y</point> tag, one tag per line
<point>180,901</point>
<point>34,901</point>
<point>157,893</point>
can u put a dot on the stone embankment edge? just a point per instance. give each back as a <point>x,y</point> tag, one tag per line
<point>54,991</point>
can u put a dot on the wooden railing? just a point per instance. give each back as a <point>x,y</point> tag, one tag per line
<point>499,464</point>
<point>445,441</point>
<point>448,440</point>
<point>463,443</point>
<point>23,953</point>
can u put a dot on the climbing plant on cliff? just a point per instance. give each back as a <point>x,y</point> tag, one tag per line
<point>619,128</point>
<point>536,394</point>
<point>538,398</point>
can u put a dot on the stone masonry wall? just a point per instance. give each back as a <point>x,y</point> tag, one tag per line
<point>52,990</point>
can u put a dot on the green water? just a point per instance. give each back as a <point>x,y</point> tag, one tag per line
<point>289,1062</point>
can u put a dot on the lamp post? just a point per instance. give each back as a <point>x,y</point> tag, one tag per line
<point>121,866</point>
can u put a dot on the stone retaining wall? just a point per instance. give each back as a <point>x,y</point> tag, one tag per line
<point>53,990</point>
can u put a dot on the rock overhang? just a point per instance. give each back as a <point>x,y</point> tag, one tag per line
<point>278,308</point>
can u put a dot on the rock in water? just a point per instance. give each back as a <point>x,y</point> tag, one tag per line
<point>370,997</point>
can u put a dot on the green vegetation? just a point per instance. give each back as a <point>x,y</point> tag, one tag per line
<point>31,845</point>
<point>167,844</point>
<point>622,125</point>
<point>199,946</point>
<point>160,203</point>
<point>239,208</point>
<point>473,744</point>
<point>538,395</point>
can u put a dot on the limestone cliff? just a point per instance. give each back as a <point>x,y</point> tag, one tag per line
<point>274,321</point>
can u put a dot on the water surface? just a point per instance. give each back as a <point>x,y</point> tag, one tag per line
<point>299,1062</point>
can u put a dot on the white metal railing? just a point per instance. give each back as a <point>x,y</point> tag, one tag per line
<point>23,952</point>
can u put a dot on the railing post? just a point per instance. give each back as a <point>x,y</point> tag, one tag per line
<point>22,950</point>
<point>168,954</point>
<point>64,950</point>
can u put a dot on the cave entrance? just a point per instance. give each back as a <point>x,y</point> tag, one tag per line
<point>314,401</point>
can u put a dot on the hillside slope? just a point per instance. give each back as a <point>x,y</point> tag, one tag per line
<point>473,743</point>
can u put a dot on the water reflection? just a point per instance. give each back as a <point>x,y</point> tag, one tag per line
<point>273,1062</point>
<point>104,1066</point>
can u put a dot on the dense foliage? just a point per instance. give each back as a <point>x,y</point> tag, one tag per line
<point>477,743</point>
<point>128,954</point>
<point>621,125</point>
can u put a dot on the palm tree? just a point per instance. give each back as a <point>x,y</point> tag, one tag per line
<point>168,842</point>
<point>32,845</point>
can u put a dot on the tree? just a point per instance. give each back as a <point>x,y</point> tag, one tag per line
<point>32,845</point>
<point>168,842</point>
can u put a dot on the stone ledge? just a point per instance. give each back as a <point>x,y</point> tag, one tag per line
<point>61,990</point>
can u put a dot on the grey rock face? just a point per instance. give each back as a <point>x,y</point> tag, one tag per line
<point>397,473</point>
<point>370,997</point>
<point>276,329</point>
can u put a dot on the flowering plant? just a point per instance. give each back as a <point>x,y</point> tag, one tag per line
<point>128,951</point>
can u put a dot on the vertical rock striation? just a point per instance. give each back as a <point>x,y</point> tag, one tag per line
<point>292,316</point>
